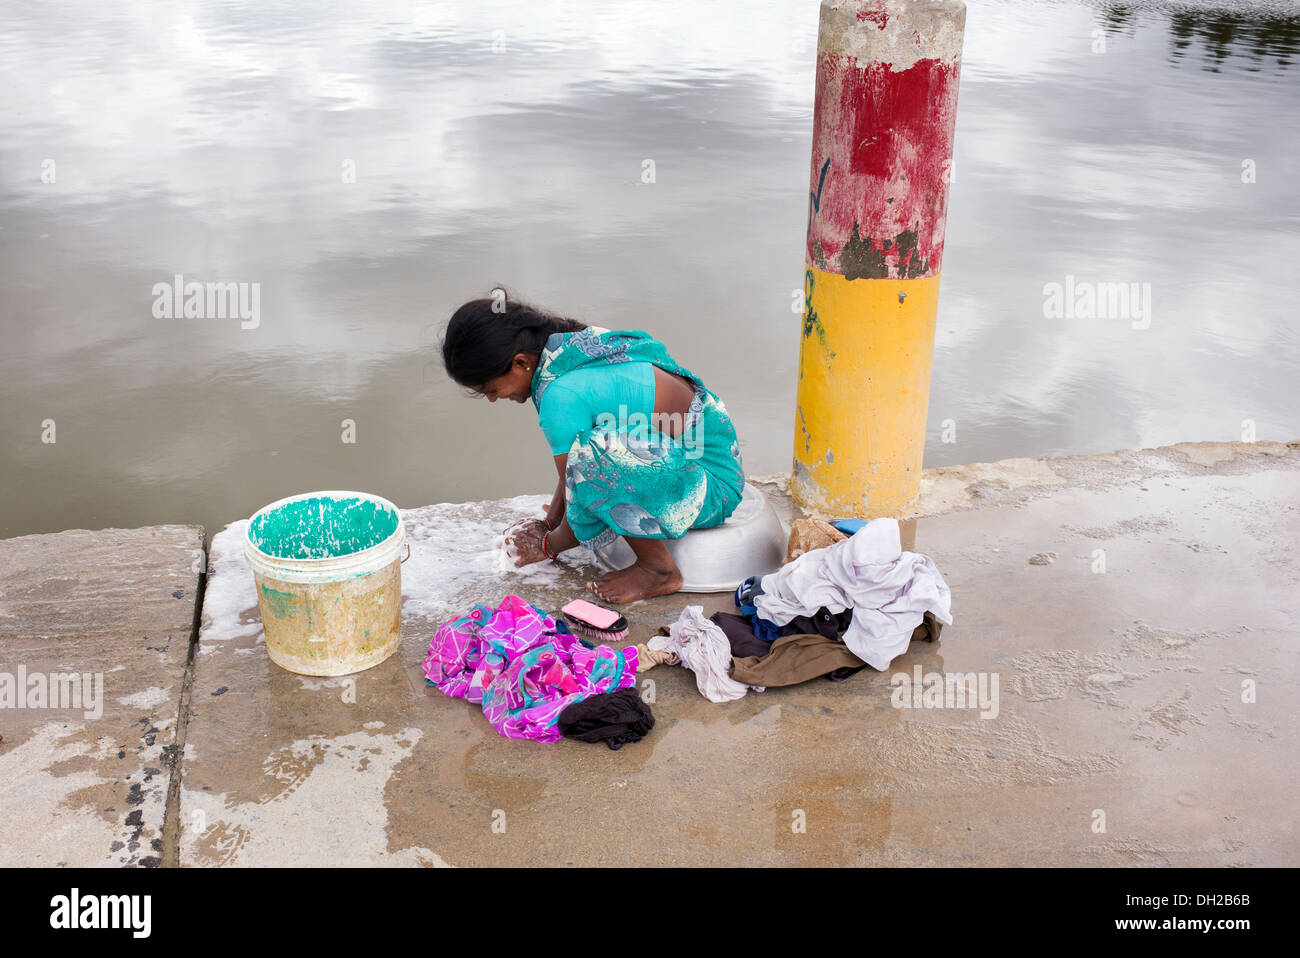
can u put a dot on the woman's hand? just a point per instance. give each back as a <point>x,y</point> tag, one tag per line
<point>524,541</point>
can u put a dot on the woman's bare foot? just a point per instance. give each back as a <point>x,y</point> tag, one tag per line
<point>635,582</point>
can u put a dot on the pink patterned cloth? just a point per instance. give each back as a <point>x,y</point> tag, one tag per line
<point>521,671</point>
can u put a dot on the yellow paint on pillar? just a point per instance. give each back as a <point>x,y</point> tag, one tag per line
<point>864,389</point>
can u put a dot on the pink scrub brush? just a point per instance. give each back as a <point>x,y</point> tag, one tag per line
<point>595,622</point>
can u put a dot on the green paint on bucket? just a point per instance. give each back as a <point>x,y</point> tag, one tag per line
<point>282,604</point>
<point>322,528</point>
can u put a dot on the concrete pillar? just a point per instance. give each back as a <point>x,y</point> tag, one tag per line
<point>883,123</point>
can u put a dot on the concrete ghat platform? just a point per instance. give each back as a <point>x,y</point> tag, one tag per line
<point>118,606</point>
<point>1123,733</point>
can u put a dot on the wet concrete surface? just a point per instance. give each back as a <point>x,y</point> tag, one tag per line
<point>88,785</point>
<point>1145,659</point>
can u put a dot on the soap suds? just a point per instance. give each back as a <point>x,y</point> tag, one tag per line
<point>455,548</point>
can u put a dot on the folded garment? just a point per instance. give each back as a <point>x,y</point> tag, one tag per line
<point>523,671</point>
<point>615,718</point>
<point>888,590</point>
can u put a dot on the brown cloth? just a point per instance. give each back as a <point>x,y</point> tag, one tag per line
<point>810,649</point>
<point>928,630</point>
<point>797,658</point>
<point>809,534</point>
<point>794,659</point>
<point>800,657</point>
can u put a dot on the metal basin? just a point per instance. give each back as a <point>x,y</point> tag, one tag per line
<point>751,542</point>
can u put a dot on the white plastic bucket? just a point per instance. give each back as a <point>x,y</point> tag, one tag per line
<point>751,542</point>
<point>327,567</point>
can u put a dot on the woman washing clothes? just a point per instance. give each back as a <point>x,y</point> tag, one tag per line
<point>642,448</point>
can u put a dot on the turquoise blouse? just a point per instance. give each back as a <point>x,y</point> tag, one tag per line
<point>577,399</point>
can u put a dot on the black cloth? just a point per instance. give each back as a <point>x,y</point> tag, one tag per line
<point>614,718</point>
<point>840,674</point>
<point>824,622</point>
<point>744,643</point>
<point>740,634</point>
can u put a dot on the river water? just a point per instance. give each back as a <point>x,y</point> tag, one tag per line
<point>371,165</point>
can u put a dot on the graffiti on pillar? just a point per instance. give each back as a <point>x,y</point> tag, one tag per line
<point>815,199</point>
<point>811,321</point>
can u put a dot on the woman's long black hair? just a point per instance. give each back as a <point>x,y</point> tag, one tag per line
<point>484,335</point>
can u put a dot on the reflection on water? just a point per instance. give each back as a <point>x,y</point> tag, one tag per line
<point>372,166</point>
<point>1208,38</point>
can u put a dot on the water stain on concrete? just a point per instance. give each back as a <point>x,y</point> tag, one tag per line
<point>323,801</point>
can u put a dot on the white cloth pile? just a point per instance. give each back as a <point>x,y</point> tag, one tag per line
<point>704,649</point>
<point>889,591</point>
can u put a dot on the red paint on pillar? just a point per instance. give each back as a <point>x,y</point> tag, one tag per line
<point>876,13</point>
<point>888,138</point>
